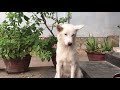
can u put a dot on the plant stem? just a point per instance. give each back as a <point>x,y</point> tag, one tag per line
<point>44,20</point>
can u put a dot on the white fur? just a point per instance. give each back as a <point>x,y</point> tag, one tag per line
<point>66,56</point>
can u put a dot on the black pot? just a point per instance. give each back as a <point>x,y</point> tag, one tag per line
<point>54,60</point>
<point>54,55</point>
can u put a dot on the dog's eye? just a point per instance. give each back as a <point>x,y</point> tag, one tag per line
<point>73,35</point>
<point>65,34</point>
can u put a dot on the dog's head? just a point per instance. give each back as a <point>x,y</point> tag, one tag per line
<point>67,33</point>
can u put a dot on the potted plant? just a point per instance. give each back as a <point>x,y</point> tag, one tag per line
<point>17,41</point>
<point>47,48</point>
<point>96,51</point>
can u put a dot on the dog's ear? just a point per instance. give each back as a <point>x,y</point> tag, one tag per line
<point>78,27</point>
<point>59,28</point>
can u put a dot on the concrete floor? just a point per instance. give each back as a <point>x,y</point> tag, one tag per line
<point>38,69</point>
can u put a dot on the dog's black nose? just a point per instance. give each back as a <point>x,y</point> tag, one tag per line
<point>69,44</point>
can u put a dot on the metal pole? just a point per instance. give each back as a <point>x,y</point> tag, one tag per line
<point>56,15</point>
<point>69,17</point>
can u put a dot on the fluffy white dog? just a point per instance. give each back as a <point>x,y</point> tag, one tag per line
<point>66,54</point>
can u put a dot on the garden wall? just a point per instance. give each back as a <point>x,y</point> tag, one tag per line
<point>80,41</point>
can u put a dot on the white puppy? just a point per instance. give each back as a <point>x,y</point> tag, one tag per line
<point>66,54</point>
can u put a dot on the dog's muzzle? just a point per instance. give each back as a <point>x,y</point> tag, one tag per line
<point>69,44</point>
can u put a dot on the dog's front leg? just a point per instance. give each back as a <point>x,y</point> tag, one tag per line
<point>73,69</point>
<point>58,70</point>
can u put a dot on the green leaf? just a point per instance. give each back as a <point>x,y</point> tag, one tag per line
<point>26,18</point>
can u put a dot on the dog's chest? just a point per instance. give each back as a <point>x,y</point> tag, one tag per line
<point>66,55</point>
<point>66,67</point>
<point>67,58</point>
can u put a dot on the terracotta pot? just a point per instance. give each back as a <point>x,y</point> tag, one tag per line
<point>96,56</point>
<point>17,65</point>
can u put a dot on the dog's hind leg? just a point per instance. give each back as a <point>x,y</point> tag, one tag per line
<point>58,70</point>
<point>79,73</point>
<point>73,70</point>
<point>56,75</point>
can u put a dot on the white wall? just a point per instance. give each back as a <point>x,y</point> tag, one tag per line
<point>49,22</point>
<point>100,24</point>
<point>2,16</point>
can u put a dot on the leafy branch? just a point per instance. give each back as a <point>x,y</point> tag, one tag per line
<point>52,16</point>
